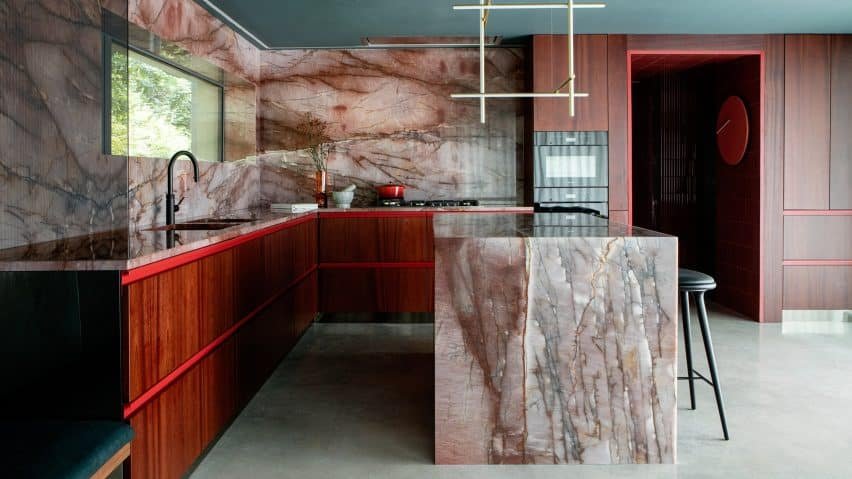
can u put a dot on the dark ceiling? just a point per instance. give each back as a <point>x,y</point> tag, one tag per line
<point>342,23</point>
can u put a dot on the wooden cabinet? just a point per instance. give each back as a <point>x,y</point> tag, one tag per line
<point>377,289</point>
<point>373,263</point>
<point>807,98</point>
<point>550,69</point>
<point>187,366</point>
<point>376,239</point>
<point>163,326</point>
<point>840,187</point>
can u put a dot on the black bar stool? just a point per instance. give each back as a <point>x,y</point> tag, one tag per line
<point>697,283</point>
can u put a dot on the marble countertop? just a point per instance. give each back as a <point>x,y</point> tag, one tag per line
<point>537,225</point>
<point>126,249</point>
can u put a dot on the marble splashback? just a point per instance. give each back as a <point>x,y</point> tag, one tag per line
<point>390,119</point>
<point>55,180</point>
<point>189,25</point>
<point>222,188</point>
<point>555,350</point>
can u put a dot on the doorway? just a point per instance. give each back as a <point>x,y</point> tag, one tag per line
<point>680,183</point>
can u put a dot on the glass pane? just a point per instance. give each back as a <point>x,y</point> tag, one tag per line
<point>166,109</point>
<point>119,118</point>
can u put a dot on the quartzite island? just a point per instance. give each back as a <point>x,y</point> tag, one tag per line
<point>555,340</point>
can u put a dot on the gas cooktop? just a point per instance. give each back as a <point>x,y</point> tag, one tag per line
<point>399,202</point>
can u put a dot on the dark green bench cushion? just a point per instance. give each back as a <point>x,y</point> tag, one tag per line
<point>59,449</point>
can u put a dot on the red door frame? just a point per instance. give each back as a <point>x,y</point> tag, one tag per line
<point>721,53</point>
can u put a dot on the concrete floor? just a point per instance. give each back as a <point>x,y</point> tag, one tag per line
<point>355,400</point>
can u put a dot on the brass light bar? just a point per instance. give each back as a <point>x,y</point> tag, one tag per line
<point>529,6</point>
<point>484,8</point>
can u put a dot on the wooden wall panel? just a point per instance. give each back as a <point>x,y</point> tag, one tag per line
<point>772,192</point>
<point>807,106</point>
<point>840,193</point>
<point>550,69</point>
<point>817,287</point>
<point>168,431</point>
<point>737,194</point>
<point>695,42</point>
<point>619,166</point>
<point>818,237</point>
<point>164,326</point>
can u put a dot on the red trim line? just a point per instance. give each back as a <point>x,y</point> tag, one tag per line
<point>373,214</point>
<point>151,269</point>
<point>378,265</point>
<point>630,53</point>
<point>391,213</point>
<point>695,52</point>
<point>817,212</point>
<point>817,262</point>
<point>133,406</point>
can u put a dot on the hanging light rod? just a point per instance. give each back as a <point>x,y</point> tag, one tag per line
<point>529,6</point>
<point>518,95</point>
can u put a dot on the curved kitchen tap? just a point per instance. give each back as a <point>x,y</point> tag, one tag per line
<point>170,196</point>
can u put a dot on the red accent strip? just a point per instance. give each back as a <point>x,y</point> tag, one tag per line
<point>158,267</point>
<point>761,53</point>
<point>133,406</point>
<point>377,265</point>
<point>372,214</point>
<point>391,213</point>
<point>629,138</point>
<point>817,212</point>
<point>695,52</point>
<point>817,262</point>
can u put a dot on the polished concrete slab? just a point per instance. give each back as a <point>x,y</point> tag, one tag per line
<point>355,401</point>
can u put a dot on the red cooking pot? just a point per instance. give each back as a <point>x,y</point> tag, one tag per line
<point>390,191</point>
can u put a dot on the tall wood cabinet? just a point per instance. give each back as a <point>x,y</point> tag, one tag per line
<point>550,69</point>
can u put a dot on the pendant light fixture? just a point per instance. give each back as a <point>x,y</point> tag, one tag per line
<point>484,8</point>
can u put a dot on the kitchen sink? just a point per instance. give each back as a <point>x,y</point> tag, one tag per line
<point>193,226</point>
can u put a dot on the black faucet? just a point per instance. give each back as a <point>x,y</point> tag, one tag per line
<point>170,196</point>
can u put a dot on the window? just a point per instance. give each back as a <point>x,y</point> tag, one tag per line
<point>158,107</point>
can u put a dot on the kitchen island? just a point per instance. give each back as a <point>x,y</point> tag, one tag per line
<point>555,340</point>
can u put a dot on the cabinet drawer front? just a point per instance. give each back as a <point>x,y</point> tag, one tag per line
<point>352,240</point>
<point>571,195</point>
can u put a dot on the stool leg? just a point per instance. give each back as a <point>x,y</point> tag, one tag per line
<point>711,360</point>
<point>687,345</point>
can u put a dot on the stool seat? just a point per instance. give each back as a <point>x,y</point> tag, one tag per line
<point>691,280</point>
<point>60,449</point>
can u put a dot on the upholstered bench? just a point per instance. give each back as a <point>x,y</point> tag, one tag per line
<point>63,449</point>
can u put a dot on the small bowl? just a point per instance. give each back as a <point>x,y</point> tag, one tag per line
<point>343,199</point>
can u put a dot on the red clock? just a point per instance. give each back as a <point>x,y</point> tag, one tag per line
<point>732,130</point>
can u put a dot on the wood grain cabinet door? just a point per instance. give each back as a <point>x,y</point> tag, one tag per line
<point>841,123</point>
<point>163,325</point>
<point>550,69</point>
